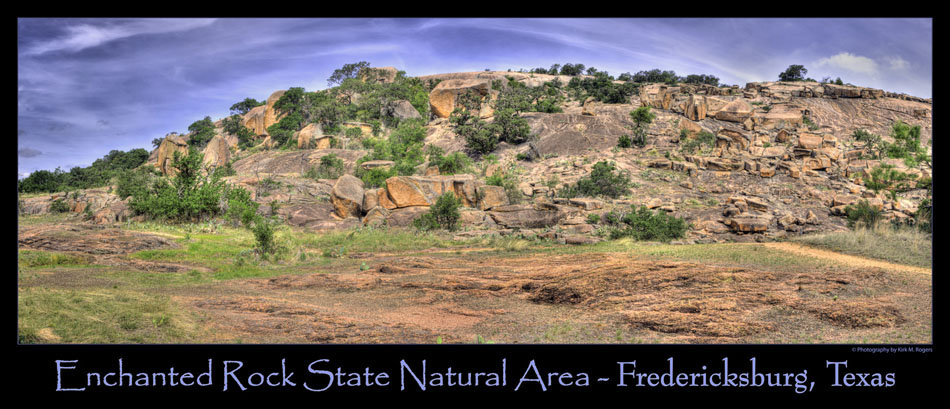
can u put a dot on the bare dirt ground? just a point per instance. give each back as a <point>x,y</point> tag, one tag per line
<point>538,298</point>
<point>535,297</point>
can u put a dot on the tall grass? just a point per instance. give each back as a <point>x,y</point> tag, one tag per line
<point>904,245</point>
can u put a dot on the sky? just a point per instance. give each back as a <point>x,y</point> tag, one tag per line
<point>88,86</point>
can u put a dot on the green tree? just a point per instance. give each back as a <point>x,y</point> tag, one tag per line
<point>702,79</point>
<point>906,144</point>
<point>233,125</point>
<point>572,69</point>
<point>793,73</point>
<point>641,118</point>
<point>511,127</point>
<point>245,106</point>
<point>348,71</point>
<point>201,132</point>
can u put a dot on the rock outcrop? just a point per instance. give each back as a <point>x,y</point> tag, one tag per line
<point>166,152</point>
<point>217,153</point>
<point>382,75</point>
<point>312,137</point>
<point>444,97</point>
<point>347,196</point>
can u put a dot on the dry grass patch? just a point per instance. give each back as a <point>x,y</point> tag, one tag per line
<point>897,245</point>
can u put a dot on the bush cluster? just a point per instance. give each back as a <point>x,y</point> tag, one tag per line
<point>189,196</point>
<point>604,181</point>
<point>702,142</point>
<point>201,132</point>
<point>404,147</point>
<point>885,177</point>
<point>483,137</point>
<point>233,125</point>
<point>602,88</point>
<point>862,214</point>
<point>59,206</point>
<point>453,163</point>
<point>330,167</point>
<point>444,214</point>
<point>509,180</point>
<point>644,224</point>
<point>100,173</point>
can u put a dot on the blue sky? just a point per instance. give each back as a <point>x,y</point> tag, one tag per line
<point>87,86</point>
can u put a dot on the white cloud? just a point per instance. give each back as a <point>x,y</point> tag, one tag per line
<point>897,63</point>
<point>80,37</point>
<point>850,62</point>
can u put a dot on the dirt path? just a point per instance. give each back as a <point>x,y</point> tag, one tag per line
<point>856,261</point>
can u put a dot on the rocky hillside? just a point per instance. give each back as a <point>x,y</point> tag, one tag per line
<point>764,161</point>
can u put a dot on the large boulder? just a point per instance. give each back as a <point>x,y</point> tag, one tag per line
<point>376,216</point>
<point>117,212</point>
<point>526,215</point>
<point>491,196</point>
<point>254,120</point>
<point>809,141</point>
<point>750,223</point>
<point>842,91</point>
<point>347,196</point>
<point>217,154</point>
<point>692,129</point>
<point>308,214</point>
<point>312,137</point>
<point>444,96</point>
<point>656,95</point>
<point>166,152</point>
<point>270,114</point>
<point>401,109</point>
<point>780,116</point>
<point>406,191</point>
<point>735,111</point>
<point>696,108</point>
<point>476,218</point>
<point>404,217</point>
<point>734,138</point>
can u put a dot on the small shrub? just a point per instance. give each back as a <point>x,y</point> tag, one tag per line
<point>444,214</point>
<point>624,141</point>
<point>641,118</point>
<point>376,177</point>
<point>59,206</point>
<point>885,177</point>
<point>456,162</point>
<point>593,218</point>
<point>330,167</point>
<point>862,214</point>
<point>507,179</point>
<point>811,125</point>
<point>264,235</point>
<point>703,142</point>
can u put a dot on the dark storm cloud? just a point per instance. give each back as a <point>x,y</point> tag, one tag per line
<point>28,153</point>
